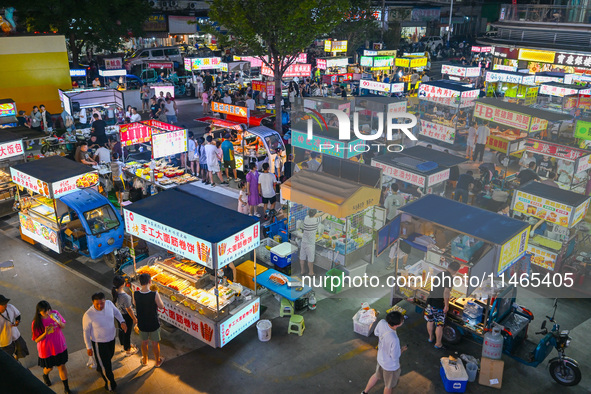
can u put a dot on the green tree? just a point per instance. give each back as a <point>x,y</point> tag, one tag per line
<point>358,27</point>
<point>278,29</point>
<point>83,22</point>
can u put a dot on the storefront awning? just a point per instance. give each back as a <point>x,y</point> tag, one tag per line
<point>329,194</point>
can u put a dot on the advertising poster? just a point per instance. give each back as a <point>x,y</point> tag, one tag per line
<point>245,318</point>
<point>513,250</point>
<point>41,233</point>
<point>238,245</point>
<point>542,257</point>
<point>542,208</point>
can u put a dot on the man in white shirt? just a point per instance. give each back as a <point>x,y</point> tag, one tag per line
<point>267,185</point>
<point>393,202</point>
<point>250,103</point>
<point>527,158</point>
<point>10,318</point>
<point>213,161</point>
<point>389,352</point>
<point>308,245</point>
<point>135,117</point>
<point>98,324</point>
<point>227,98</point>
<point>481,137</point>
<point>102,155</point>
<point>313,164</point>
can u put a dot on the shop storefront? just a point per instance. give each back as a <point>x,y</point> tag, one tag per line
<point>200,239</point>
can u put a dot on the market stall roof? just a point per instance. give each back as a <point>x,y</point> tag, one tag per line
<point>565,85</point>
<point>24,132</point>
<point>427,154</point>
<point>333,195</point>
<point>485,225</point>
<point>262,131</point>
<point>554,193</point>
<point>7,136</point>
<point>52,169</point>
<point>96,97</point>
<point>535,112</point>
<point>192,215</point>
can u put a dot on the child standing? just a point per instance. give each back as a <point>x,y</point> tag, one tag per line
<point>243,199</point>
<point>389,352</point>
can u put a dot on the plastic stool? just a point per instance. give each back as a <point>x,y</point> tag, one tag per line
<point>298,322</point>
<point>286,308</point>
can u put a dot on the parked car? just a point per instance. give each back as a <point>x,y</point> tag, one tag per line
<point>158,54</point>
<point>433,43</point>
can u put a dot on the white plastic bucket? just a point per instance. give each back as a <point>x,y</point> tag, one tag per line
<point>264,330</point>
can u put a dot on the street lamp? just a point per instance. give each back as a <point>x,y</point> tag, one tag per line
<point>451,9</point>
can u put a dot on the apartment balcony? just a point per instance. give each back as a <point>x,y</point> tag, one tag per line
<point>555,15</point>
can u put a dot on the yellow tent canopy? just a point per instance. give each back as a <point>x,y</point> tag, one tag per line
<point>336,196</point>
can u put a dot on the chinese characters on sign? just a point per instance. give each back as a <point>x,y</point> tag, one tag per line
<point>554,150</point>
<point>41,233</point>
<point>569,59</point>
<point>497,143</point>
<point>245,318</point>
<point>513,250</point>
<point>438,178</point>
<point>438,132</point>
<point>501,116</point>
<point>557,91</point>
<point>542,257</point>
<point>67,186</point>
<point>542,208</point>
<point>294,70</point>
<point>206,63</point>
<point>28,182</point>
<point>114,63</point>
<point>229,109</point>
<point>426,90</point>
<point>373,85</point>
<point>400,174</point>
<point>169,144</point>
<point>11,149</point>
<point>134,133</point>
<point>169,238</point>
<point>238,245</point>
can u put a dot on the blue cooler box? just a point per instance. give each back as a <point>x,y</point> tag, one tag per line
<point>281,254</point>
<point>454,377</point>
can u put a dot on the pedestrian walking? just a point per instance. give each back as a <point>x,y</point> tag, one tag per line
<point>99,335</point>
<point>267,188</point>
<point>243,199</point>
<point>123,302</point>
<point>213,164</point>
<point>205,101</point>
<point>171,110</point>
<point>202,160</point>
<point>11,341</point>
<point>389,352</point>
<point>252,190</point>
<point>147,303</point>
<point>470,142</point>
<point>145,96</point>
<point>47,331</point>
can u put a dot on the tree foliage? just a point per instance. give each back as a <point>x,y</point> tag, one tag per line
<point>359,26</point>
<point>83,22</point>
<point>277,29</point>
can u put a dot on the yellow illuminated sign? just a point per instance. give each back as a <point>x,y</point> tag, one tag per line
<point>536,56</point>
<point>512,250</point>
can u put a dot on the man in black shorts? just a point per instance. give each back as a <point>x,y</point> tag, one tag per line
<point>267,185</point>
<point>438,303</point>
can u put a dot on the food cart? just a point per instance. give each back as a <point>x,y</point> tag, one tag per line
<point>554,214</point>
<point>461,73</point>
<point>411,63</point>
<point>419,166</point>
<point>572,162</point>
<point>560,97</point>
<point>378,64</point>
<point>485,244</point>
<point>117,75</point>
<point>200,237</point>
<point>12,152</point>
<point>512,124</point>
<point>100,99</point>
<point>8,114</point>
<point>351,215</point>
<point>333,65</point>
<point>515,87</point>
<point>382,88</point>
<point>165,140</point>
<point>63,211</point>
<point>444,108</point>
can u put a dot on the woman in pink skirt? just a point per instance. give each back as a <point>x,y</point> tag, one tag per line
<point>252,189</point>
<point>51,344</point>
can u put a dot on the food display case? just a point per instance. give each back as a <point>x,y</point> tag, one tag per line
<point>554,214</point>
<point>11,152</point>
<point>514,87</point>
<point>201,238</point>
<point>350,215</point>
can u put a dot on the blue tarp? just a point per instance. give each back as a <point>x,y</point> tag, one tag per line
<point>485,225</point>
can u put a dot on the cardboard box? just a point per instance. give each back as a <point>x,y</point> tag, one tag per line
<point>491,372</point>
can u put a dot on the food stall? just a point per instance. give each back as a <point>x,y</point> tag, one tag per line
<point>553,213</point>
<point>119,76</point>
<point>334,79</point>
<point>516,87</point>
<point>549,76</point>
<point>560,97</point>
<point>485,244</point>
<point>12,152</point>
<point>411,63</point>
<point>444,108</point>
<point>350,217</point>
<point>200,239</point>
<point>425,168</point>
<point>76,102</point>
<point>572,163</point>
<point>61,209</point>
<point>8,114</point>
<point>461,73</point>
<point>332,65</point>
<point>512,123</point>
<point>165,140</point>
<point>382,88</point>
<point>376,65</point>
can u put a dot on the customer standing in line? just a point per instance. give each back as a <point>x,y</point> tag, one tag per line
<point>147,303</point>
<point>123,302</point>
<point>98,324</point>
<point>389,352</point>
<point>252,190</point>
<point>47,331</point>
